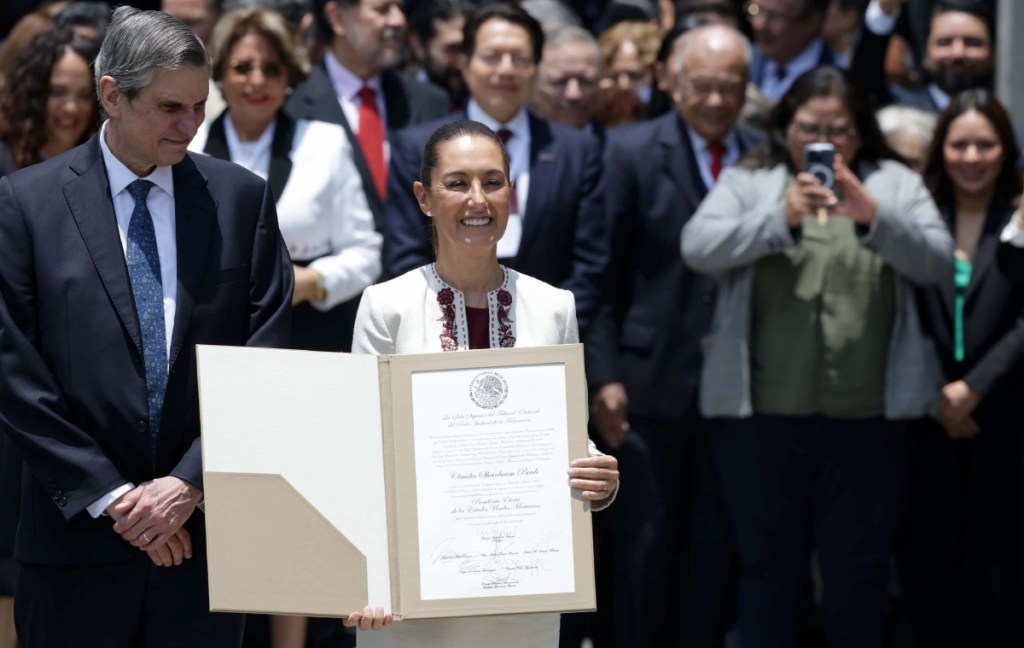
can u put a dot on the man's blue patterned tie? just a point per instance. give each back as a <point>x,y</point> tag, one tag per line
<point>144,270</point>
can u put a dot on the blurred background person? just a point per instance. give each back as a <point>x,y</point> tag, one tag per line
<point>467,300</point>
<point>48,97</point>
<point>908,132</point>
<point>566,91</point>
<point>556,227</point>
<point>815,354</point>
<point>88,17</point>
<point>628,50</point>
<point>200,16</point>
<point>961,565</point>
<point>48,106</point>
<point>358,87</point>
<point>552,15</point>
<point>435,43</point>
<point>673,559</point>
<point>790,38</point>
<point>321,207</point>
<point>958,55</point>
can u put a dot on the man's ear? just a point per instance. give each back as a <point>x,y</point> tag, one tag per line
<point>332,11</point>
<point>111,98</point>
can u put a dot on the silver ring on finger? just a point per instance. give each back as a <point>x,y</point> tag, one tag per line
<point>146,537</point>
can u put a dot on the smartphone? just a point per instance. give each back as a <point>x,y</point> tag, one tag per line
<point>818,161</point>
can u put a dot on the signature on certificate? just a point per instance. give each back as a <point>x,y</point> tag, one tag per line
<point>497,556</point>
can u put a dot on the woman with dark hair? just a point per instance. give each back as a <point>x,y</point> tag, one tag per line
<point>960,562</point>
<point>467,300</point>
<point>815,351</point>
<point>49,100</point>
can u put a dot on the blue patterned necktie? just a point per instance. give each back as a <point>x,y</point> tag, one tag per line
<point>144,270</point>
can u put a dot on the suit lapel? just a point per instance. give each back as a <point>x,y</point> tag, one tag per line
<point>681,163</point>
<point>542,161</point>
<point>195,214</point>
<point>280,154</point>
<point>399,110</point>
<point>217,139</point>
<point>88,198</point>
<point>988,244</point>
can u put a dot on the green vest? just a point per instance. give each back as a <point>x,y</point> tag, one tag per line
<point>822,318</point>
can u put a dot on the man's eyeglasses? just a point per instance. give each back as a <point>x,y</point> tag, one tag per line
<point>753,10</point>
<point>269,70</point>
<point>810,132</point>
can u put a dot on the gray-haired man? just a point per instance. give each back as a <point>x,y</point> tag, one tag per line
<point>116,259</point>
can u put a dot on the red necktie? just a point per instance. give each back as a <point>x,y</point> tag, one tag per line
<point>717,151</point>
<point>371,138</point>
<point>505,135</point>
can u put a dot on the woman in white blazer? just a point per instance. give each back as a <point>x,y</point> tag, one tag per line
<point>466,300</point>
<point>321,207</point>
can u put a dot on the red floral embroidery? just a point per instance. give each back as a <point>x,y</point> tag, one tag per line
<point>446,299</point>
<point>505,338</point>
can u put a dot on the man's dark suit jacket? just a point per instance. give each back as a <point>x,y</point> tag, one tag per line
<point>406,100</point>
<point>563,237</point>
<point>73,387</point>
<point>866,65</point>
<point>657,310</point>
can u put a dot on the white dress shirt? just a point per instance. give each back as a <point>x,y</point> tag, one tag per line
<point>160,202</point>
<point>518,147</point>
<point>347,86</point>
<point>703,155</point>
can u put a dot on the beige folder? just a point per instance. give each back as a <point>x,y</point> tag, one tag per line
<point>309,480</point>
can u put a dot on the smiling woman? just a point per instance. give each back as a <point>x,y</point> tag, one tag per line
<point>467,300</point>
<point>321,206</point>
<point>48,97</point>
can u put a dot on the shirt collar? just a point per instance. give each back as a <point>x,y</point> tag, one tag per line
<point>701,144</point>
<point>939,97</point>
<point>120,176</point>
<point>346,84</point>
<point>802,62</point>
<point>519,124</point>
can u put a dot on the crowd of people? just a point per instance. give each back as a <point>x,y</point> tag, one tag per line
<point>805,379</point>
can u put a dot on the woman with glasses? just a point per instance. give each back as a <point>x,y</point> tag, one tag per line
<point>815,352</point>
<point>960,564</point>
<point>321,207</point>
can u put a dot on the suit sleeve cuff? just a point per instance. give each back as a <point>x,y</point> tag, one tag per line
<point>99,507</point>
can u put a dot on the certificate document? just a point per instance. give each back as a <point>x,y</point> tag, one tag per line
<point>495,514</point>
<point>433,485</point>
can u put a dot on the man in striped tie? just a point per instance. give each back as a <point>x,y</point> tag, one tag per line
<point>116,259</point>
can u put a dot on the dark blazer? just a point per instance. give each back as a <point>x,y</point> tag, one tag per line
<point>917,97</point>
<point>866,63</point>
<point>406,100</point>
<point>562,243</point>
<point>73,389</point>
<point>993,362</point>
<point>657,310</point>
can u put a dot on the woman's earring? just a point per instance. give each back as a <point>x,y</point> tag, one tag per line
<point>429,215</point>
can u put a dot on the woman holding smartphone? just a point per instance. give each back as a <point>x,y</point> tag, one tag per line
<point>815,351</point>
